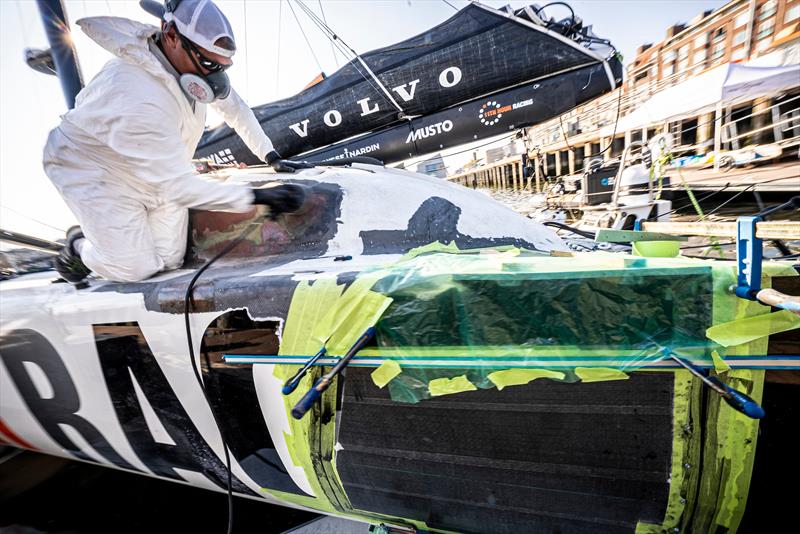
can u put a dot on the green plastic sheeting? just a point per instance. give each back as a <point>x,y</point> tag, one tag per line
<point>549,312</point>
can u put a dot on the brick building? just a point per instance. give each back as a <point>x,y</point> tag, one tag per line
<point>739,31</point>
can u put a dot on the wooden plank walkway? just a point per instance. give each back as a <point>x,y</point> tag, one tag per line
<point>507,174</point>
<point>783,176</point>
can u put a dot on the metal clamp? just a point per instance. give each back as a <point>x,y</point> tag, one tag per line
<point>749,253</point>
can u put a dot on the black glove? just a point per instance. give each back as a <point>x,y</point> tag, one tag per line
<point>278,164</point>
<point>285,198</point>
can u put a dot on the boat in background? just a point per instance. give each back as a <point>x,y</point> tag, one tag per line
<point>479,74</point>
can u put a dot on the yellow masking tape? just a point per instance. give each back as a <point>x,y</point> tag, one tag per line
<point>365,313</point>
<point>436,246</point>
<point>516,377</point>
<point>320,311</point>
<point>385,373</point>
<point>599,374</point>
<point>720,365</point>
<point>752,328</point>
<point>446,386</point>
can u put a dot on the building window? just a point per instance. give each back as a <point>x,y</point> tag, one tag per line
<point>792,13</point>
<point>433,168</point>
<point>669,57</point>
<point>739,37</point>
<point>669,70</point>
<point>763,45</point>
<point>767,9</point>
<point>765,29</point>
<point>737,54</point>
<point>701,41</point>
<point>741,19</point>
<point>683,52</point>
<point>699,57</point>
<point>718,51</point>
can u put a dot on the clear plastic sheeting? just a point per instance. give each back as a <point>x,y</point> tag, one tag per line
<point>457,318</point>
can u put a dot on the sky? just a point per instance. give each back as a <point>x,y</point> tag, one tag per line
<point>273,62</point>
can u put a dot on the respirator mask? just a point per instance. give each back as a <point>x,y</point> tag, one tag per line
<point>204,88</point>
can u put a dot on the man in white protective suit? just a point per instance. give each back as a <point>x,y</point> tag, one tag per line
<point>122,157</point>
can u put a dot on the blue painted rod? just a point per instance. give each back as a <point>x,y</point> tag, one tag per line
<point>736,399</point>
<point>292,383</point>
<point>322,384</point>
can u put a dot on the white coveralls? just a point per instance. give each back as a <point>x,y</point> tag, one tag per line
<point>122,157</point>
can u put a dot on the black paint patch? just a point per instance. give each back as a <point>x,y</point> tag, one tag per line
<point>123,350</point>
<point>435,220</point>
<point>544,457</point>
<point>232,393</point>
<point>27,346</point>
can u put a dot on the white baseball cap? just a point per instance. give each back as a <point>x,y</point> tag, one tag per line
<point>200,21</point>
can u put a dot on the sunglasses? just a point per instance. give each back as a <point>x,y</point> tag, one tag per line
<point>199,59</point>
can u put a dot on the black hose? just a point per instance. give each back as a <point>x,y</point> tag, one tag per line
<point>186,304</point>
<point>562,226</point>
<point>792,204</point>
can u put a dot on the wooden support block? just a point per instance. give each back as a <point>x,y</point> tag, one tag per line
<point>607,235</point>
<point>789,230</point>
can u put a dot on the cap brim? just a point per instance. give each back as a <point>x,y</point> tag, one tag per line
<point>156,9</point>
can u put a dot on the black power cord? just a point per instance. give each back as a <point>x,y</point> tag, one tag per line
<point>562,226</point>
<point>187,302</point>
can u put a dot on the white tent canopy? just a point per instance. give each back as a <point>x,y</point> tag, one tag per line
<point>729,83</point>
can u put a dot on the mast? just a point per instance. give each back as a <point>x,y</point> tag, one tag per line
<point>62,49</point>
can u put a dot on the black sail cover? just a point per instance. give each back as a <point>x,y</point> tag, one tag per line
<point>478,74</point>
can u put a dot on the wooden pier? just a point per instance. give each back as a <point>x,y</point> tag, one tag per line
<point>507,173</point>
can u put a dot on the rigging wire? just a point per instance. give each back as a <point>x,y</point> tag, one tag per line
<point>32,219</point>
<point>341,49</point>
<point>653,217</point>
<point>278,61</point>
<point>451,5</point>
<point>613,135</point>
<point>297,20</point>
<point>332,35</point>
<point>334,39</point>
<point>324,18</point>
<point>246,55</point>
<point>740,193</point>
